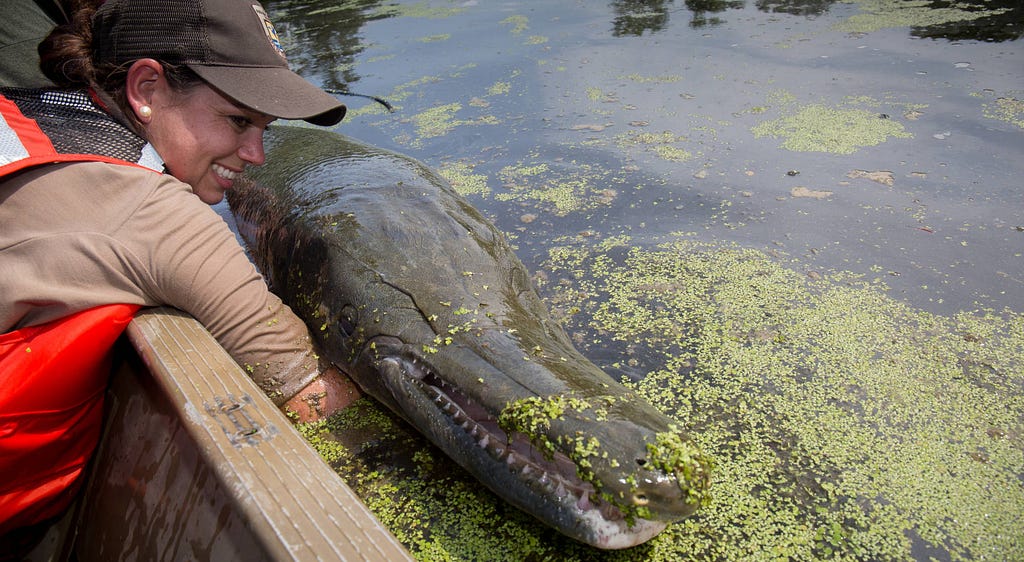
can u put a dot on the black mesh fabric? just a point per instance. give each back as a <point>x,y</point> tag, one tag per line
<point>169,30</point>
<point>75,125</point>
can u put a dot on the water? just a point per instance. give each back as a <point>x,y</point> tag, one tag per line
<point>870,149</point>
<point>571,85</point>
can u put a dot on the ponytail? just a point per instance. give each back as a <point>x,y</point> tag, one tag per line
<point>66,58</point>
<point>65,55</point>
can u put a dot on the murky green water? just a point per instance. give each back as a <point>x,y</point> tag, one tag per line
<point>797,227</point>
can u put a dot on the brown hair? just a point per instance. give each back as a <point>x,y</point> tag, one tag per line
<point>66,58</point>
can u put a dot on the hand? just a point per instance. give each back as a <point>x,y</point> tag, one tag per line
<point>328,394</point>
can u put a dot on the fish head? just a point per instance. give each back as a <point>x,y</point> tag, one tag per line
<point>418,298</point>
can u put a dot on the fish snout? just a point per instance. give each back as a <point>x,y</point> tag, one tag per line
<point>673,478</point>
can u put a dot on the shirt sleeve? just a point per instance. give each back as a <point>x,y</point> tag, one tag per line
<point>197,265</point>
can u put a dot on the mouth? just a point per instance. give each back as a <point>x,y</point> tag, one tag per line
<point>225,176</point>
<point>552,476</point>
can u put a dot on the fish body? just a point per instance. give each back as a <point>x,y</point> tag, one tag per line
<point>411,292</point>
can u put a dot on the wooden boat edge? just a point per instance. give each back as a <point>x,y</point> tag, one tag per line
<point>197,463</point>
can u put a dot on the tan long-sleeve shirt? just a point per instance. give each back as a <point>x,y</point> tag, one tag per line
<point>74,236</point>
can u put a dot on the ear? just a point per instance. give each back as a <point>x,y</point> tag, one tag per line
<point>145,78</point>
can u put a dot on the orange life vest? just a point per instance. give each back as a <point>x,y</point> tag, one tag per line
<point>52,381</point>
<point>52,376</point>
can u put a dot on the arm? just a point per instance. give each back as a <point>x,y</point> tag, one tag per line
<point>199,267</point>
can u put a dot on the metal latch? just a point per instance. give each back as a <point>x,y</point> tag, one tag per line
<point>234,415</point>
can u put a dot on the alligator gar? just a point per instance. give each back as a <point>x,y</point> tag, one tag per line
<point>418,298</point>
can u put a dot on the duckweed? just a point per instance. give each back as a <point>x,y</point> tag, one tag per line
<point>1008,108</point>
<point>436,121</point>
<point>672,454</point>
<point>462,178</point>
<point>560,190</point>
<point>818,128</point>
<point>418,10</point>
<point>843,424</point>
<point>519,24</point>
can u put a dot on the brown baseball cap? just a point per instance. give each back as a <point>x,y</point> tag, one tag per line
<point>231,44</point>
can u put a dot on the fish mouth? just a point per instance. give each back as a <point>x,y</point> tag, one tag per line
<point>532,477</point>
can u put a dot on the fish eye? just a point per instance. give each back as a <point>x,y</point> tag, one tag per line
<point>347,320</point>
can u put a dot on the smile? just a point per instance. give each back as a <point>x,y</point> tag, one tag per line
<point>223,172</point>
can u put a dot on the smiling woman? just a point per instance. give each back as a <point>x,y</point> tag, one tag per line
<point>105,183</point>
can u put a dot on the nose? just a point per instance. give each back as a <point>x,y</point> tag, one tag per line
<point>251,149</point>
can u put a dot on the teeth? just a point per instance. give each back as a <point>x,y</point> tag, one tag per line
<point>224,172</point>
<point>551,483</point>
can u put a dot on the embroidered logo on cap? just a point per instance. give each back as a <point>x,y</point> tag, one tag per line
<point>268,29</point>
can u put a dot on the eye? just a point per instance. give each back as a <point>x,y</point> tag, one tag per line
<point>239,121</point>
<point>346,321</point>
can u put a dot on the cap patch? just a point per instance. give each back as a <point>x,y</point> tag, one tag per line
<point>268,29</point>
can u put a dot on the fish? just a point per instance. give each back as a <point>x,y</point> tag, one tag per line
<point>410,291</point>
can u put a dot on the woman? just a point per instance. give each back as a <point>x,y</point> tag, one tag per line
<point>105,187</point>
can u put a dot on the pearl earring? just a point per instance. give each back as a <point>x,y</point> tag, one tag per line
<point>145,111</point>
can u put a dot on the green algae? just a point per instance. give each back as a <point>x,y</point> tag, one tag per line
<point>561,191</point>
<point>672,154</point>
<point>1009,109</point>
<point>596,94</point>
<point>499,88</point>
<point>843,424</point>
<point>418,10</point>
<point>440,120</point>
<point>670,453</point>
<point>853,420</point>
<point>436,121</point>
<point>519,24</point>
<point>819,128</point>
<point>462,178</point>
<point>435,38</point>
<point>887,14</point>
<point>658,143</point>
<point>663,79</point>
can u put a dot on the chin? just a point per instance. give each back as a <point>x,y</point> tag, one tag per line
<point>210,196</point>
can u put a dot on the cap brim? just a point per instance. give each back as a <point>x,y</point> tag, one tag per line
<point>275,91</point>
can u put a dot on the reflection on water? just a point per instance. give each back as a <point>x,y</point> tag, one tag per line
<point>1005,24</point>
<point>334,28</point>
